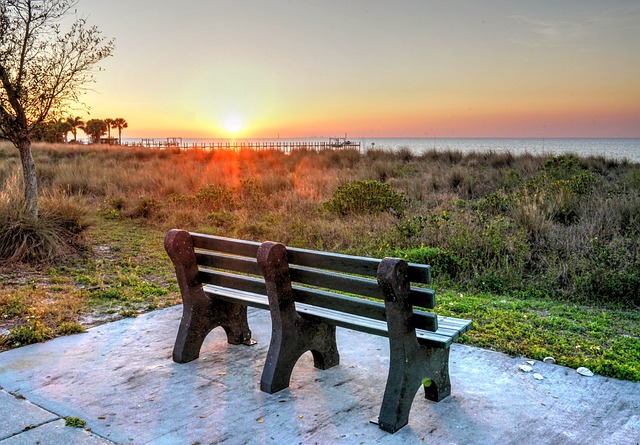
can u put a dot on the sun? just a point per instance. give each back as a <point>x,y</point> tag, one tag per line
<point>233,123</point>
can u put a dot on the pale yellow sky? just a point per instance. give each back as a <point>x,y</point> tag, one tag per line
<point>372,68</point>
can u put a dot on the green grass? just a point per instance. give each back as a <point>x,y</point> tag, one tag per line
<point>606,341</point>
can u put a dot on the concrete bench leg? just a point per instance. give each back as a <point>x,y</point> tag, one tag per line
<point>411,365</point>
<point>200,313</point>
<point>291,335</point>
<point>410,368</point>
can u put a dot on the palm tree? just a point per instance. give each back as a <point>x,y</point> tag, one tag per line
<point>74,124</point>
<point>109,123</point>
<point>119,123</point>
<point>58,130</point>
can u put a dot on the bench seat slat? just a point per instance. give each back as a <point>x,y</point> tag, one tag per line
<point>357,306</point>
<point>336,318</point>
<point>438,339</point>
<point>237,296</point>
<point>329,300</point>
<point>449,328</point>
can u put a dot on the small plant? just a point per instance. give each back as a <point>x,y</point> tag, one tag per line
<point>145,208</point>
<point>33,332</point>
<point>69,328</point>
<point>366,197</point>
<point>74,422</point>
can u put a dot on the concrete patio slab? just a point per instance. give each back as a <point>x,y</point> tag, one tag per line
<point>120,379</point>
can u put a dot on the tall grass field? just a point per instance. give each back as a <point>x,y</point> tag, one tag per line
<point>541,252</point>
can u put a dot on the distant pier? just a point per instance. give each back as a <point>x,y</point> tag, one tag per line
<point>276,145</point>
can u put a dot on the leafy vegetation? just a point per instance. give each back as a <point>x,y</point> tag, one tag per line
<point>541,252</point>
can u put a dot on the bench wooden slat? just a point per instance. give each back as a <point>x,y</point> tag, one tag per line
<point>237,296</point>
<point>233,281</point>
<point>357,306</point>
<point>225,245</point>
<point>441,338</point>
<point>418,273</point>
<point>328,300</point>
<point>227,262</point>
<point>435,339</point>
<point>355,285</point>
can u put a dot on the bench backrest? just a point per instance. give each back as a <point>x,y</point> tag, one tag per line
<point>329,280</point>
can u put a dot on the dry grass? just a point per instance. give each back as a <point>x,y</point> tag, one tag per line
<point>526,222</point>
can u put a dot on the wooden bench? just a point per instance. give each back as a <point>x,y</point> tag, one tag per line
<point>308,294</point>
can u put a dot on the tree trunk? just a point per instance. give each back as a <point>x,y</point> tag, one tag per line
<point>29,175</point>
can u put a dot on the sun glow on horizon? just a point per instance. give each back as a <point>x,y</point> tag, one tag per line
<point>233,124</point>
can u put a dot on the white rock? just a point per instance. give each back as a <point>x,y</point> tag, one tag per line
<point>549,360</point>
<point>584,371</point>
<point>531,362</point>
<point>538,376</point>
<point>525,368</point>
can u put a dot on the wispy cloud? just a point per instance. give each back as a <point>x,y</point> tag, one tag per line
<point>552,33</point>
<point>581,34</point>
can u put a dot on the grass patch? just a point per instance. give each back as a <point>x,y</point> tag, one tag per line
<point>605,340</point>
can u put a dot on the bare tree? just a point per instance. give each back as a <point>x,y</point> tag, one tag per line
<point>43,72</point>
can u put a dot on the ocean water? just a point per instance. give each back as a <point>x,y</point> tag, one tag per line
<point>610,148</point>
<point>620,149</point>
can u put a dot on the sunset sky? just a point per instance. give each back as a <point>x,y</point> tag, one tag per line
<point>371,68</point>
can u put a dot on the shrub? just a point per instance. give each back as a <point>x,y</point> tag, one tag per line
<point>215,197</point>
<point>55,233</point>
<point>145,208</point>
<point>443,263</point>
<point>366,197</point>
<point>611,272</point>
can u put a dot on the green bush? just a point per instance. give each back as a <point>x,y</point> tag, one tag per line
<point>611,272</point>
<point>366,197</point>
<point>443,263</point>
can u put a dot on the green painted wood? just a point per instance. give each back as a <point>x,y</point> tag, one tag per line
<point>237,296</point>
<point>336,281</point>
<point>418,273</point>
<point>356,306</point>
<point>340,310</point>
<point>425,298</point>
<point>350,284</point>
<point>232,281</point>
<point>238,264</point>
<point>225,245</point>
<point>442,338</point>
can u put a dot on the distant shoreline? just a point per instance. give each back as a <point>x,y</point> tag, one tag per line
<point>615,148</point>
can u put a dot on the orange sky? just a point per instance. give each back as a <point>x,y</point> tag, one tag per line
<point>429,68</point>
